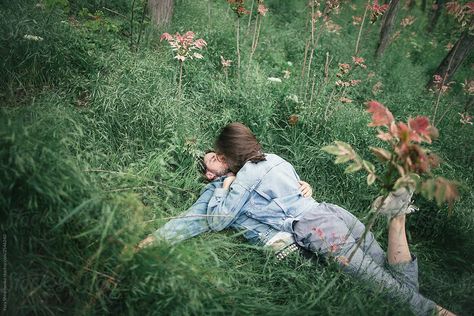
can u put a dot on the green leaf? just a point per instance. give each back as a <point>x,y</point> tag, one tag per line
<point>409,180</point>
<point>371,178</point>
<point>381,154</point>
<point>353,167</point>
<point>331,149</point>
<point>343,145</point>
<point>368,166</point>
<point>428,189</point>
<point>446,191</point>
<point>342,159</point>
<point>73,212</point>
<point>440,194</point>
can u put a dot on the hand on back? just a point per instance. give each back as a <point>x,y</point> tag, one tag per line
<point>306,189</point>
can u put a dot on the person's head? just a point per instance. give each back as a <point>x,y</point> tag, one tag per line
<point>213,166</point>
<point>238,144</point>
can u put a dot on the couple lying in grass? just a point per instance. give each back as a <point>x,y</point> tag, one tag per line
<point>262,195</point>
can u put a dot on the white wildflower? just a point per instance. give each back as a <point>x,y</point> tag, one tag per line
<point>294,98</point>
<point>33,38</point>
<point>273,79</point>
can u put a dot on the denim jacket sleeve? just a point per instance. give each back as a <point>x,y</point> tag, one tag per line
<point>190,223</point>
<point>225,205</point>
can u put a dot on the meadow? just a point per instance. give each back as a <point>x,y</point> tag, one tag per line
<point>99,146</point>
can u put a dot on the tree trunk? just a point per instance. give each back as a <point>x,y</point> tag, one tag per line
<point>455,57</point>
<point>410,4</point>
<point>387,26</point>
<point>161,11</point>
<point>435,15</point>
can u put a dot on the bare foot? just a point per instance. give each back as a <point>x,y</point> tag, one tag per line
<point>443,311</point>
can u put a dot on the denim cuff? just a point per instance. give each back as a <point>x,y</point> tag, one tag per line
<point>406,272</point>
<point>402,266</point>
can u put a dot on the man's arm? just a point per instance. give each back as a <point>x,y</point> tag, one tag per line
<point>189,224</point>
<point>226,203</point>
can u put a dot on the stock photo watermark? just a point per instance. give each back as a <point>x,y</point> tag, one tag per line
<point>4,274</point>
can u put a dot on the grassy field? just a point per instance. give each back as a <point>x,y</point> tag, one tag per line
<point>97,149</point>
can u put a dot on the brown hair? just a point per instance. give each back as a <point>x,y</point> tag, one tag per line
<point>238,145</point>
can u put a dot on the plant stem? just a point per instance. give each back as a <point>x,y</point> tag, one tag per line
<point>180,77</point>
<point>326,68</point>
<point>250,16</point>
<point>367,228</point>
<point>326,115</point>
<point>131,24</point>
<point>303,68</point>
<point>312,90</point>
<point>305,57</point>
<point>256,32</point>
<point>442,84</point>
<point>314,44</point>
<point>141,23</point>
<point>312,51</point>
<point>238,46</point>
<point>443,115</point>
<point>361,26</point>
<point>209,13</point>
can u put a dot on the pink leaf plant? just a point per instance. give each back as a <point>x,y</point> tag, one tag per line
<point>406,162</point>
<point>184,47</point>
<point>377,10</point>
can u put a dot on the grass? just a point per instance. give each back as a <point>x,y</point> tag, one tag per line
<point>96,149</point>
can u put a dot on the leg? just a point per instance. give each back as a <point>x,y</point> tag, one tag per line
<point>319,231</point>
<point>397,251</point>
<point>399,256</point>
<point>402,264</point>
<point>356,228</point>
<point>378,277</point>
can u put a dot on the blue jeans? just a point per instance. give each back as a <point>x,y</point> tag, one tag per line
<point>332,231</point>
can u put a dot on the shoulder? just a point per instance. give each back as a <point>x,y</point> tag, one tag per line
<point>252,173</point>
<point>273,158</point>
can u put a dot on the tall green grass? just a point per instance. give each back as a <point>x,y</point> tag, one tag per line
<point>97,149</point>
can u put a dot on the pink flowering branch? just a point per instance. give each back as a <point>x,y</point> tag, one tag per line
<point>405,161</point>
<point>261,12</point>
<point>238,7</point>
<point>184,47</point>
<point>361,27</point>
<point>377,10</point>
<point>225,65</point>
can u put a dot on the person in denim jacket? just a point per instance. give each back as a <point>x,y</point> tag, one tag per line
<point>193,222</point>
<point>265,188</point>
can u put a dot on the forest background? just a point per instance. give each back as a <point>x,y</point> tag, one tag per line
<point>99,136</point>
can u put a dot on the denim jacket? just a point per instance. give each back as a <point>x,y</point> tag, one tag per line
<point>194,222</point>
<point>267,191</point>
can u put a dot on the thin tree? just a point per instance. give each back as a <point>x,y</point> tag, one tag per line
<point>464,15</point>
<point>161,11</point>
<point>455,56</point>
<point>387,26</point>
<point>435,13</point>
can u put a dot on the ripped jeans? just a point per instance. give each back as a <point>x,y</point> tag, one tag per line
<point>330,230</point>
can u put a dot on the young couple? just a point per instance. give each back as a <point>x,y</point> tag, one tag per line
<point>265,199</point>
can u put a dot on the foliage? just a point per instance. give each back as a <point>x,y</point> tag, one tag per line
<point>405,162</point>
<point>183,45</point>
<point>95,155</point>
